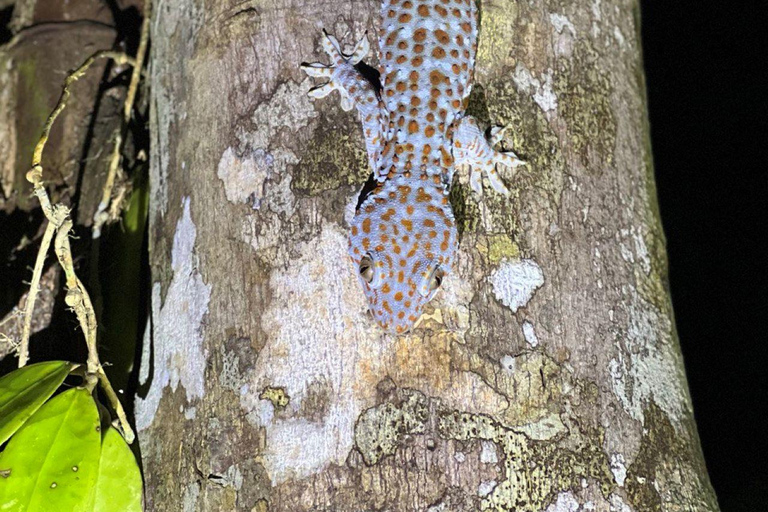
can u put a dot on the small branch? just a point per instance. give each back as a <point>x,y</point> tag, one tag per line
<point>34,288</point>
<point>112,396</point>
<point>120,58</point>
<point>102,216</point>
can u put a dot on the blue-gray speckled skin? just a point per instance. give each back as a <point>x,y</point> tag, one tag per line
<point>416,134</point>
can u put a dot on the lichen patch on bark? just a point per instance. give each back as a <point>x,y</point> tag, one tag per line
<point>173,339</point>
<point>515,282</point>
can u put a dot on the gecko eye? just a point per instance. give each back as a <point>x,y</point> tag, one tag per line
<point>366,268</point>
<point>436,279</point>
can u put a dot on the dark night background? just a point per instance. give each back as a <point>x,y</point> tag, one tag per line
<point>707,86</point>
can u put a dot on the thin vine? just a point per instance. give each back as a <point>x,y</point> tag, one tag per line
<point>59,226</point>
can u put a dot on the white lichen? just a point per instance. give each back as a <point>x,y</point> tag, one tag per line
<point>560,22</point>
<point>530,334</point>
<point>175,341</point>
<point>618,505</point>
<point>507,364</point>
<point>566,502</point>
<point>618,468</point>
<point>486,487</point>
<point>648,367</point>
<point>488,452</point>
<point>541,90</point>
<point>515,282</point>
<point>243,176</point>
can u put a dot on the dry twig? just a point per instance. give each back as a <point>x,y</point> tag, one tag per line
<point>60,224</point>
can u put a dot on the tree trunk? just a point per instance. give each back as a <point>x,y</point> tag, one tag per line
<point>546,375</point>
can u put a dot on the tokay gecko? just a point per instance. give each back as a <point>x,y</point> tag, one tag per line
<point>403,238</point>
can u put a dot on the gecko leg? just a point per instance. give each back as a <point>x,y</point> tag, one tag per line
<point>471,148</point>
<point>355,90</point>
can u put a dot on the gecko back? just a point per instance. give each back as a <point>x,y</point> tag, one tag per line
<point>427,50</point>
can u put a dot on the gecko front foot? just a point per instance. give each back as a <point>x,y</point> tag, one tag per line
<point>341,73</point>
<point>471,148</point>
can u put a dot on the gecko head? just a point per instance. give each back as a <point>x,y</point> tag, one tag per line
<point>402,242</point>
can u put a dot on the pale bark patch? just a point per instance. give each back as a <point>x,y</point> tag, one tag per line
<point>515,282</point>
<point>648,367</point>
<point>173,337</point>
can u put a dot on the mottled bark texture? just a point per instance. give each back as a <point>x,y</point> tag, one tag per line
<point>546,375</point>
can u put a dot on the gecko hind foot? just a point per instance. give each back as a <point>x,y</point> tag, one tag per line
<point>473,149</point>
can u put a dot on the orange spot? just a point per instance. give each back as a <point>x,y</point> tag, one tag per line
<point>366,243</point>
<point>404,18</point>
<point>417,61</point>
<point>423,10</point>
<point>400,315</point>
<point>435,77</point>
<point>414,76</point>
<point>418,48</point>
<point>420,35</point>
<point>441,10</point>
<point>466,27</point>
<point>409,209</point>
<point>386,307</point>
<point>367,226</point>
<point>400,277</point>
<point>401,59</point>
<point>385,288</point>
<point>354,230</point>
<point>415,101</point>
<point>423,197</point>
<point>407,224</point>
<point>413,127</point>
<point>442,36</point>
<point>429,223</point>
<point>429,131</point>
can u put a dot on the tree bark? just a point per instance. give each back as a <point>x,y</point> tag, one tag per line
<point>546,375</point>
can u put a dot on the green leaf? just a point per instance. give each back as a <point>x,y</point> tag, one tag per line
<point>23,391</point>
<point>118,486</point>
<point>51,463</point>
